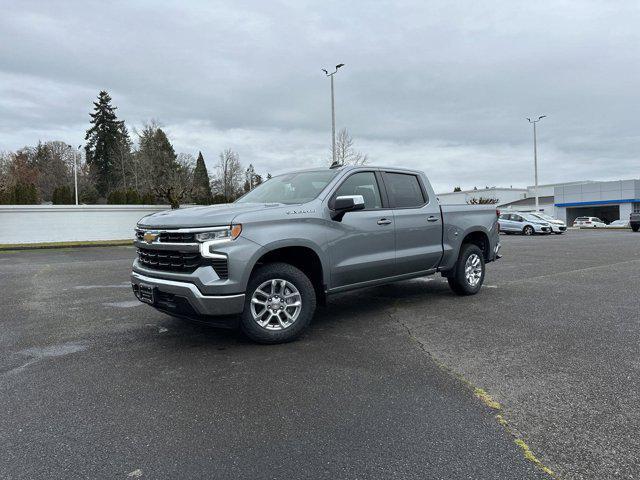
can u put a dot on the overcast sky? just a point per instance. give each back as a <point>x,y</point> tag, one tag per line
<point>442,86</point>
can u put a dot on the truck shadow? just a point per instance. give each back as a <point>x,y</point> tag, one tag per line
<point>342,311</point>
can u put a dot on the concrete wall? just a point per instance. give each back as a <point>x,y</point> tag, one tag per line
<point>69,223</point>
<point>561,214</point>
<point>625,210</point>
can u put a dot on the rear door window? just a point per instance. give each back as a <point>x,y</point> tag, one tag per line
<point>404,190</point>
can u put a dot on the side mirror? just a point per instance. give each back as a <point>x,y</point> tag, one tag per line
<point>346,203</point>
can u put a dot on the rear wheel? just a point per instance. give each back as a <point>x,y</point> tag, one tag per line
<point>279,305</point>
<point>468,273</point>
<point>528,230</point>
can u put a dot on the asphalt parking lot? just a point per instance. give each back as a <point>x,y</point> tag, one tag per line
<point>95,385</point>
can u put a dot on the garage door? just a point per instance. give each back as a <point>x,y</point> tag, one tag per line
<point>608,213</point>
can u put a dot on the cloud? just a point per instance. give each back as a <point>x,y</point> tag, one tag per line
<point>443,86</point>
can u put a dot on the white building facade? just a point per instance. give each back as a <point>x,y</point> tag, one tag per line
<point>608,201</point>
<point>503,195</point>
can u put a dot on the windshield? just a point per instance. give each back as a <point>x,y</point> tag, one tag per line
<point>291,188</point>
<point>543,216</point>
<point>533,218</point>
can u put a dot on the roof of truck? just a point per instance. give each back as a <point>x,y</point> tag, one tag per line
<point>353,167</point>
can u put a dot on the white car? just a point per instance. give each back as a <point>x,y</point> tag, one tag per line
<point>557,226</point>
<point>589,222</point>
<point>619,224</point>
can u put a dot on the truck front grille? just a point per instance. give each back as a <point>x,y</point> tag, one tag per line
<point>177,237</point>
<point>169,237</point>
<point>169,260</point>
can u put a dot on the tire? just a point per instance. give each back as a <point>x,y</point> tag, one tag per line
<point>458,280</point>
<point>279,328</point>
<point>528,230</point>
<point>635,228</point>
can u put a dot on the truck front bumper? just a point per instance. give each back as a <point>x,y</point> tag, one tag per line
<point>183,298</point>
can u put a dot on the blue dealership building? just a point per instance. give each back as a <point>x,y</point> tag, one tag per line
<point>607,200</point>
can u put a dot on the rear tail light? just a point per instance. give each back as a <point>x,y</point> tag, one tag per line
<point>497,212</point>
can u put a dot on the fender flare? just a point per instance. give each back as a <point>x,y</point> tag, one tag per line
<point>289,242</point>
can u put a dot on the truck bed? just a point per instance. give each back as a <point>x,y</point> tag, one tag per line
<point>458,221</point>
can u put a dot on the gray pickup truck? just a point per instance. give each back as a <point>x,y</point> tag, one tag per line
<point>266,261</point>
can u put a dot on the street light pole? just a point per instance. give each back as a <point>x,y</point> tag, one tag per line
<point>535,157</point>
<point>333,113</point>
<point>75,172</point>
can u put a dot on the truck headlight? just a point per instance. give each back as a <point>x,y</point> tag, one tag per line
<point>223,234</point>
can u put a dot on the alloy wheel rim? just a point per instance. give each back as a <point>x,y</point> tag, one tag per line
<point>276,304</point>
<point>473,269</point>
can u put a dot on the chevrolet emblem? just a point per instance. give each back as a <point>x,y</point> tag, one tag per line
<point>150,237</point>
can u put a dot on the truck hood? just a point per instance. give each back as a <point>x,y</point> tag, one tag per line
<point>209,216</point>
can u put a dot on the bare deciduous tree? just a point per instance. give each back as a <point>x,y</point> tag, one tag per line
<point>5,159</point>
<point>177,181</point>
<point>228,178</point>
<point>345,151</point>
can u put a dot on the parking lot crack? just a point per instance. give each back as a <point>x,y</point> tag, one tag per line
<point>481,395</point>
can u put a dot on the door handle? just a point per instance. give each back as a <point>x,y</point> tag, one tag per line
<point>384,221</point>
<point>432,218</point>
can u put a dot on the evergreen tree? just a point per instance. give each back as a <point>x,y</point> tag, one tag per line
<point>201,186</point>
<point>124,167</point>
<point>132,197</point>
<point>117,197</point>
<point>157,152</point>
<point>105,140</point>
<point>251,180</point>
<point>169,177</point>
<point>24,194</point>
<point>62,196</point>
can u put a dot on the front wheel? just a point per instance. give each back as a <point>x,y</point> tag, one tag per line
<point>468,273</point>
<point>635,228</point>
<point>279,304</point>
<point>528,230</point>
